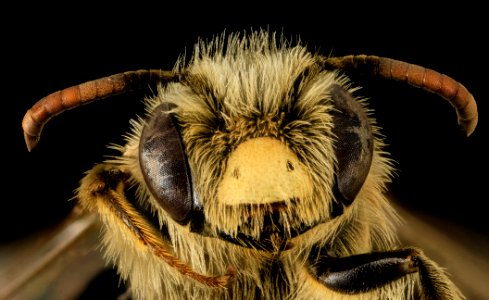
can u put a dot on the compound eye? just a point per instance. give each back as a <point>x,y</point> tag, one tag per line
<point>164,165</point>
<point>354,144</point>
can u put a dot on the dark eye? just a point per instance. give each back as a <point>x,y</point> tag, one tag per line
<point>354,144</point>
<point>164,165</point>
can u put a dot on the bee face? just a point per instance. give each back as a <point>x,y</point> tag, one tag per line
<point>256,172</point>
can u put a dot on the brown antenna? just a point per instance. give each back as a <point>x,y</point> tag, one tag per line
<point>46,108</point>
<point>451,90</point>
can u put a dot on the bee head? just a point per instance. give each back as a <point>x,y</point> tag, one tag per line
<point>257,148</point>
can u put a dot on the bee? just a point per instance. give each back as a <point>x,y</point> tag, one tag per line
<point>258,173</point>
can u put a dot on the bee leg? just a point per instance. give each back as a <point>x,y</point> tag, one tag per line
<point>103,190</point>
<point>366,272</point>
<point>101,186</point>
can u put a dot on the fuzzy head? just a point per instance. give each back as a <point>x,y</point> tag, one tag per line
<point>263,127</point>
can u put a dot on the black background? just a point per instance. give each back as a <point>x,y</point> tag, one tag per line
<point>441,172</point>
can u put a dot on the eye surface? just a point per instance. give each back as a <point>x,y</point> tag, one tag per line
<point>354,143</point>
<point>164,165</point>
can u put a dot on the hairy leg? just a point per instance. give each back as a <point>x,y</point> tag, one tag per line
<point>367,272</point>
